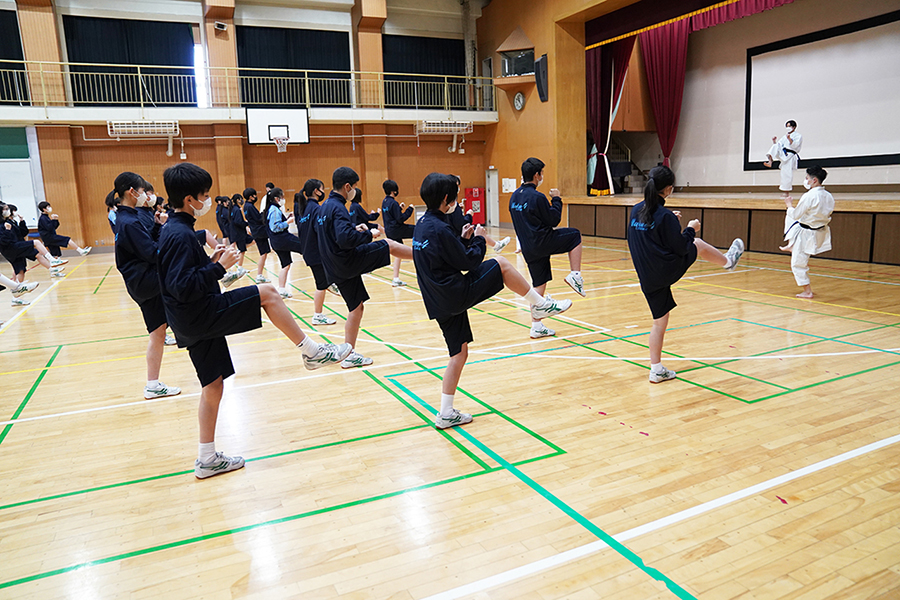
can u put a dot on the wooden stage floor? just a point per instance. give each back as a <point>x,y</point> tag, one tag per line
<point>769,469</point>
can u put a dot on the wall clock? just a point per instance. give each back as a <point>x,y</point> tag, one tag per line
<point>519,101</point>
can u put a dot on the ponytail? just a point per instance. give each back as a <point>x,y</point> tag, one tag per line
<point>660,178</point>
<point>300,200</point>
<point>128,180</point>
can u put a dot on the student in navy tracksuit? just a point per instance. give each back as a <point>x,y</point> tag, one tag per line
<point>283,241</point>
<point>534,219</point>
<point>47,225</point>
<point>112,202</point>
<point>662,253</point>
<point>395,217</point>
<point>222,218</point>
<point>16,250</point>
<point>258,232</point>
<point>441,255</point>
<point>202,316</point>
<point>358,214</point>
<point>136,261</point>
<point>307,206</point>
<point>238,237</point>
<point>348,252</point>
<point>8,216</point>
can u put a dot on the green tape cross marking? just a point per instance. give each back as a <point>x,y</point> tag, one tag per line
<point>29,395</point>
<point>104,279</point>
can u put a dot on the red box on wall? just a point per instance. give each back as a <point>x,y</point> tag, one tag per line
<point>475,202</point>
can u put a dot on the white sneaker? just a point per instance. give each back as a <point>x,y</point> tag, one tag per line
<point>162,391</point>
<point>241,271</point>
<point>85,251</point>
<point>576,282</point>
<point>228,279</point>
<point>20,302</point>
<point>333,288</point>
<point>665,375</point>
<point>499,246</point>
<point>285,293</point>
<point>541,331</point>
<point>322,320</point>
<point>328,354</point>
<point>355,359</point>
<point>262,279</point>
<point>24,288</point>
<point>452,420</point>
<point>170,340</point>
<point>398,283</point>
<point>56,262</point>
<point>734,253</point>
<point>549,308</point>
<point>220,464</point>
<point>56,272</point>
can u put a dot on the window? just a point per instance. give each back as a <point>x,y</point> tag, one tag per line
<point>518,62</point>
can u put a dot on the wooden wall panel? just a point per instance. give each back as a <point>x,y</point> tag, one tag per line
<point>721,226</point>
<point>582,218</point>
<point>766,230</point>
<point>611,221</point>
<point>687,214</point>
<point>851,236</point>
<point>375,164</point>
<point>229,157</point>
<point>887,242</point>
<point>40,42</point>
<point>58,167</point>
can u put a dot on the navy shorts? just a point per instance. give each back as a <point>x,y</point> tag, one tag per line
<point>17,253</point>
<point>154,313</point>
<point>233,312</point>
<point>262,244</point>
<point>319,275</point>
<point>366,259</point>
<point>660,300</point>
<point>403,232</point>
<point>241,244</point>
<point>284,257</point>
<point>483,282</point>
<point>287,244</point>
<point>562,241</point>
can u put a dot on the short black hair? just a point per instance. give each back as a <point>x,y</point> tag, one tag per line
<point>148,187</point>
<point>41,205</point>
<point>128,180</point>
<point>270,185</point>
<point>531,167</point>
<point>183,180</point>
<point>792,123</point>
<point>249,193</point>
<point>436,187</point>
<point>342,176</point>
<point>817,172</point>
<point>237,198</point>
<point>310,187</point>
<point>12,207</point>
<point>390,186</point>
<point>159,202</point>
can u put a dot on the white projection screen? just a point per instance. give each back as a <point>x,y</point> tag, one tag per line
<point>841,86</point>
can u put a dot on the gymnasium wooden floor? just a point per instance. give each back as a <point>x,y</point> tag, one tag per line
<point>769,469</point>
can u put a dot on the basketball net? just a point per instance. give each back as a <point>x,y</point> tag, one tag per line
<point>282,143</point>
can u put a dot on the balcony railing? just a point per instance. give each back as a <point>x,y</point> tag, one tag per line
<point>48,84</point>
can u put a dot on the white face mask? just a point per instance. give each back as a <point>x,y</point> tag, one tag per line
<point>207,204</point>
<point>807,184</point>
<point>6,213</point>
<point>141,200</point>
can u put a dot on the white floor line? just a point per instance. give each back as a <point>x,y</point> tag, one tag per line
<point>704,358</point>
<point>19,314</point>
<point>832,276</point>
<point>582,551</point>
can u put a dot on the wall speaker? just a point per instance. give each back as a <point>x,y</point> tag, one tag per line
<point>220,26</point>
<point>540,77</point>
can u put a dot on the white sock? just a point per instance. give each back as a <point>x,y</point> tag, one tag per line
<point>152,384</point>
<point>575,273</point>
<point>533,297</point>
<point>49,257</point>
<point>206,452</point>
<point>308,347</point>
<point>728,262</point>
<point>446,404</point>
<point>657,367</point>
<point>318,315</point>
<point>536,326</point>
<point>7,282</point>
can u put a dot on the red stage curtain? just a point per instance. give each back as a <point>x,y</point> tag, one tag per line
<point>665,57</point>
<point>605,68</point>
<point>731,12</point>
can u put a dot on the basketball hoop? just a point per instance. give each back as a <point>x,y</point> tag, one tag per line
<point>282,143</point>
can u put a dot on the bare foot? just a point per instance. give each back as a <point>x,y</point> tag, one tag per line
<point>768,164</point>
<point>805,295</point>
<point>784,248</point>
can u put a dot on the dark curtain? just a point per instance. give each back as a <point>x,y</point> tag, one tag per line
<point>130,42</point>
<point>731,12</point>
<point>637,16</point>
<point>276,49</point>
<point>13,83</point>
<point>423,56</point>
<point>665,58</point>
<point>606,67</point>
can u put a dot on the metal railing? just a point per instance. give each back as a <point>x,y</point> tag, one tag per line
<point>45,84</point>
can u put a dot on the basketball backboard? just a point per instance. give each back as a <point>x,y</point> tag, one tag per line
<point>266,124</point>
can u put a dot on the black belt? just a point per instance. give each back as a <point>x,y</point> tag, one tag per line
<point>789,151</point>
<point>805,226</point>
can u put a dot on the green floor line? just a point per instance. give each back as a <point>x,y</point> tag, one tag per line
<point>325,305</point>
<point>565,508</point>
<point>818,383</point>
<point>490,408</point>
<point>104,279</point>
<point>129,337</point>
<point>429,419</point>
<point>258,458</point>
<point>725,362</point>
<point>826,339</point>
<point>228,532</point>
<point>28,396</point>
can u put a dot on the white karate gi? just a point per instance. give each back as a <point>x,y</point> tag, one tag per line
<point>788,160</point>
<point>814,210</point>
